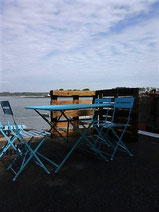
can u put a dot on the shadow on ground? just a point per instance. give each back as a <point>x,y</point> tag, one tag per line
<point>86,183</point>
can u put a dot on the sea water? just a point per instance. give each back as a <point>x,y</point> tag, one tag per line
<point>26,116</point>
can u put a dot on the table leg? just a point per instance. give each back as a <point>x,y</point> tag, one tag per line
<point>53,126</point>
<point>83,136</point>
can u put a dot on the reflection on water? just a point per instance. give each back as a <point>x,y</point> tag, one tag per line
<point>26,116</point>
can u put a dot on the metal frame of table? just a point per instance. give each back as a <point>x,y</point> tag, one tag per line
<point>62,109</point>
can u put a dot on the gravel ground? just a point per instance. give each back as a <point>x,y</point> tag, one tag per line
<point>86,183</point>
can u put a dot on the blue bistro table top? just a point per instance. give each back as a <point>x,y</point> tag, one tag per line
<point>68,107</point>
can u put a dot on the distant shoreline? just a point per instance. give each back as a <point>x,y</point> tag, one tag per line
<point>34,96</point>
<point>26,94</point>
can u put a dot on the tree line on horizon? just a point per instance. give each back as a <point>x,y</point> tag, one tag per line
<point>46,94</point>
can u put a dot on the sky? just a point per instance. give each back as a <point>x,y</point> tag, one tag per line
<point>77,44</point>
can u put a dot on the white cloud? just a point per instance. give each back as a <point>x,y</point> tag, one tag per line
<point>54,43</point>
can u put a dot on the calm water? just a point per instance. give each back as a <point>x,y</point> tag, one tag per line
<point>25,116</point>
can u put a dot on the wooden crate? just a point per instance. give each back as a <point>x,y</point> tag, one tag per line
<point>59,97</point>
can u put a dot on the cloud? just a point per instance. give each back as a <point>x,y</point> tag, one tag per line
<point>52,44</point>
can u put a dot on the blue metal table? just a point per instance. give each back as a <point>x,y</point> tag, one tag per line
<point>62,109</point>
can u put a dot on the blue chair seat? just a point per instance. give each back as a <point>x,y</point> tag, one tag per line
<point>6,128</point>
<point>110,124</point>
<point>34,133</point>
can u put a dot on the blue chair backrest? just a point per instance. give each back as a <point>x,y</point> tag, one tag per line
<point>6,108</point>
<point>124,102</point>
<point>9,116</point>
<point>102,101</point>
<point>8,113</point>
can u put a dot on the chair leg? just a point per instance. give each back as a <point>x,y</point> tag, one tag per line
<point>119,143</point>
<point>10,143</point>
<point>24,164</point>
<point>67,130</point>
<point>102,138</point>
<point>33,154</point>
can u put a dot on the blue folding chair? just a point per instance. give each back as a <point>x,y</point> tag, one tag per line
<point>9,139</point>
<point>25,151</point>
<point>98,135</point>
<point>106,129</point>
<point>97,101</point>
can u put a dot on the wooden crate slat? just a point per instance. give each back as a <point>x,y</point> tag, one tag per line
<point>64,102</point>
<point>69,113</point>
<point>85,101</point>
<point>74,113</point>
<point>61,102</point>
<point>72,93</point>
